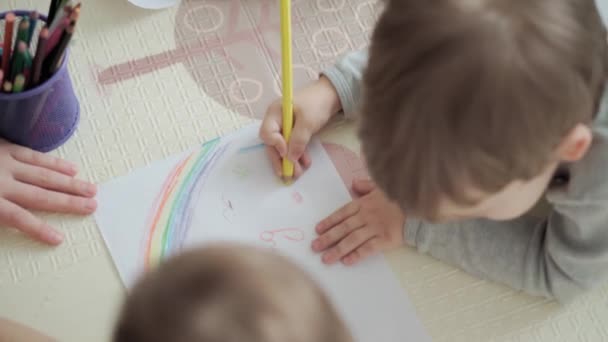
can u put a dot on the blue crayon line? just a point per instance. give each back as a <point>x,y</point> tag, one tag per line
<point>251,148</point>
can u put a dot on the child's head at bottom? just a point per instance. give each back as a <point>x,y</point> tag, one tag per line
<point>228,293</point>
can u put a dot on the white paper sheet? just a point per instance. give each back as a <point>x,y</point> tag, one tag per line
<point>154,4</point>
<point>226,191</point>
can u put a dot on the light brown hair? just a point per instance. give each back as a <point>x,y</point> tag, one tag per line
<point>228,293</point>
<point>476,93</point>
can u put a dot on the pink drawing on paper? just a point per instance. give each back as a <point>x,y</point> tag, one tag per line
<point>283,234</point>
<point>297,197</point>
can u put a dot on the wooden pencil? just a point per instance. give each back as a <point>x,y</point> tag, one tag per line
<point>287,71</point>
<point>52,11</point>
<point>56,56</point>
<point>18,63</point>
<point>39,57</point>
<point>9,20</point>
<point>19,83</point>
<point>34,16</point>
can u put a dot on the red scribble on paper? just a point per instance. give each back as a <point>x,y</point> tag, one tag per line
<point>290,234</point>
<point>297,197</point>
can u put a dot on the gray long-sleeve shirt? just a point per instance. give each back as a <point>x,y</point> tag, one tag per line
<point>557,255</point>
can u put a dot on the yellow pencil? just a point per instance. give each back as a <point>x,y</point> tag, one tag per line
<point>286,64</point>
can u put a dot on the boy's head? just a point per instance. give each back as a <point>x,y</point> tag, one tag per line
<point>470,105</point>
<point>228,293</point>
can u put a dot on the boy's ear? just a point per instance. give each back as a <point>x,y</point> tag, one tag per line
<point>576,143</point>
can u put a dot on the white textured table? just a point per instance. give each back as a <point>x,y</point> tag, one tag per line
<point>155,83</point>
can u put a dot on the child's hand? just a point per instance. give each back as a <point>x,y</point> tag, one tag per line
<point>314,105</point>
<point>31,180</point>
<point>361,228</point>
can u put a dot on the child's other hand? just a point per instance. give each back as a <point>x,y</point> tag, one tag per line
<point>365,226</point>
<point>313,105</point>
<point>30,180</point>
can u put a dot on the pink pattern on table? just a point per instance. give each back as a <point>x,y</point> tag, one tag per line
<point>232,47</point>
<point>231,50</point>
<point>348,164</point>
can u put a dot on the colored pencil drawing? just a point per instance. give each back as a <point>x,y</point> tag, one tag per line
<point>170,219</point>
<point>241,171</point>
<point>181,202</point>
<point>297,197</point>
<point>251,148</point>
<point>228,209</point>
<point>283,234</point>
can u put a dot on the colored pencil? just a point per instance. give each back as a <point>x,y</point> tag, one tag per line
<point>8,87</point>
<point>19,83</point>
<point>27,68</point>
<point>52,11</point>
<point>57,54</point>
<point>22,32</point>
<point>40,55</point>
<point>28,59</point>
<point>55,35</point>
<point>18,60</point>
<point>9,20</point>
<point>64,12</point>
<point>33,22</point>
<point>75,13</point>
<point>287,71</point>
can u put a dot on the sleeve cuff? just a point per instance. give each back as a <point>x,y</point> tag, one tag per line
<point>412,231</point>
<point>343,88</point>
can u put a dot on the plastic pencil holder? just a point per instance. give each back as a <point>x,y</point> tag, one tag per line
<point>44,117</point>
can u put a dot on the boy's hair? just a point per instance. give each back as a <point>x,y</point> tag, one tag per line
<point>476,93</point>
<point>228,293</point>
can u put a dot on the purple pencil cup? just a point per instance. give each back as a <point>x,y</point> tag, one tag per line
<point>44,117</point>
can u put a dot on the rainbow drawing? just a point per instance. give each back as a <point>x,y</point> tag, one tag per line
<point>170,218</point>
